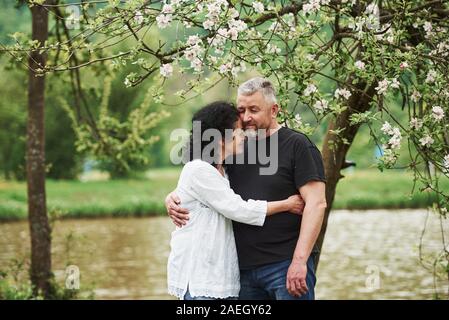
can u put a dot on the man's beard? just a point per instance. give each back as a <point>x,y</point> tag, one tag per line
<point>251,133</point>
<point>258,133</point>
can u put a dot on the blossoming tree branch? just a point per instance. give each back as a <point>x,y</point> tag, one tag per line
<point>351,62</point>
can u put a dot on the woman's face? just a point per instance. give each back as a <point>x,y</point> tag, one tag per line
<point>238,138</point>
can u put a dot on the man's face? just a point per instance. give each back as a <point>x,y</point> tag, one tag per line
<point>255,112</point>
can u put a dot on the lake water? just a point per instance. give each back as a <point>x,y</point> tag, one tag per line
<point>366,255</point>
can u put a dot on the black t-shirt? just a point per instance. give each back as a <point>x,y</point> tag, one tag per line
<point>299,161</point>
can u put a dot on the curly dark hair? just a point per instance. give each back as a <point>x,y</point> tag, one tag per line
<point>219,115</point>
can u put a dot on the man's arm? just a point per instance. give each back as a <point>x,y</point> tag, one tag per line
<point>178,215</point>
<point>314,195</point>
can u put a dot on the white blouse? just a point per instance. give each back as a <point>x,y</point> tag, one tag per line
<point>203,255</point>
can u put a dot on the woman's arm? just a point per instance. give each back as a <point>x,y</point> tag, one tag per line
<point>212,190</point>
<point>293,204</point>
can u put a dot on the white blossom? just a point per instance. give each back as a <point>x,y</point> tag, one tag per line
<point>298,120</point>
<point>310,57</point>
<point>360,65</point>
<point>428,28</point>
<point>431,76</point>
<point>415,123</point>
<point>395,135</point>
<point>212,59</point>
<point>222,32</point>
<point>127,83</point>
<point>273,49</point>
<point>321,105</point>
<point>403,65</point>
<point>437,113</point>
<point>196,64</point>
<point>213,9</point>
<point>345,93</point>
<point>311,6</point>
<point>233,13</point>
<point>311,88</point>
<point>168,9</point>
<point>208,24</point>
<point>193,52</point>
<point>258,7</point>
<point>233,34</point>
<point>388,157</point>
<point>372,21</point>
<point>235,70</point>
<point>442,49</point>
<point>426,141</point>
<point>219,51</point>
<point>138,17</point>
<point>372,8</point>
<point>415,96</point>
<point>275,27</point>
<point>220,38</point>
<point>382,86</point>
<point>193,40</point>
<point>387,128</point>
<point>166,70</point>
<point>357,24</point>
<point>395,83</point>
<point>224,68</point>
<point>238,68</point>
<point>395,140</point>
<point>163,20</point>
<point>388,36</point>
<point>237,24</point>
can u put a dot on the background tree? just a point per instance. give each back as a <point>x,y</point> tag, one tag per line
<point>37,209</point>
<point>122,141</point>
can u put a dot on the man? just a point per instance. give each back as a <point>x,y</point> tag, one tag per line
<point>276,260</point>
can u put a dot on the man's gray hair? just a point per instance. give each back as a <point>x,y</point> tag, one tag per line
<point>258,84</point>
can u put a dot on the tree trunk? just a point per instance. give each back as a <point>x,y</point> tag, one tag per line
<point>334,150</point>
<point>40,232</point>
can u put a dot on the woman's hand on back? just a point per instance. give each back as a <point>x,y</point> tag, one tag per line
<point>296,204</point>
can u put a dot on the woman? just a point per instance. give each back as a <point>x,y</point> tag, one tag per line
<point>203,259</point>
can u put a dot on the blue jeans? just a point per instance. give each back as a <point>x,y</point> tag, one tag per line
<point>269,282</point>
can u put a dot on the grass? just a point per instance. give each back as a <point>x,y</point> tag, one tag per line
<point>372,189</point>
<point>366,189</point>
<point>73,199</point>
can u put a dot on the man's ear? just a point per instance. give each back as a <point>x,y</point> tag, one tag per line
<point>274,110</point>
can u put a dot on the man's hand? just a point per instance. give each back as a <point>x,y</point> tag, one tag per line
<point>178,215</point>
<point>296,279</point>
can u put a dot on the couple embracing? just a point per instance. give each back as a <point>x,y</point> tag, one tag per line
<point>244,230</point>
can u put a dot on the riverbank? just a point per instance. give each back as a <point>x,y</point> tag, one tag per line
<point>364,189</point>
<point>126,258</point>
